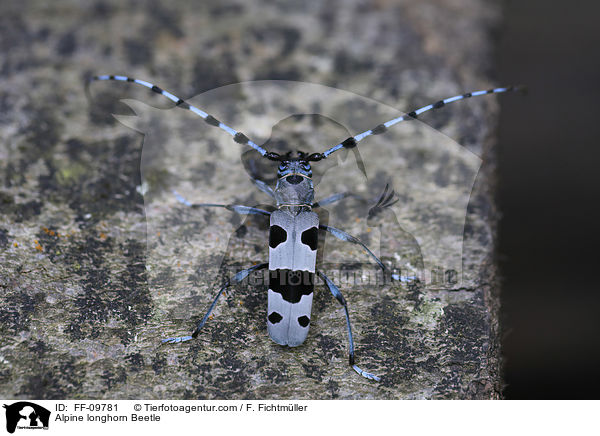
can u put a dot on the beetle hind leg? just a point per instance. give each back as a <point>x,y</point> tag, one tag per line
<point>340,298</point>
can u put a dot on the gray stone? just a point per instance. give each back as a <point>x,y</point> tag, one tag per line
<point>98,261</point>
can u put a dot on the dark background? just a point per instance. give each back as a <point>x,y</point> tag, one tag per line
<point>548,161</point>
<point>548,194</point>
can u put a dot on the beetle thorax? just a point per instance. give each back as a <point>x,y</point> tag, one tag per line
<point>294,186</point>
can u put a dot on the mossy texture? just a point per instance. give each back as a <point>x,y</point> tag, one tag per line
<point>85,298</point>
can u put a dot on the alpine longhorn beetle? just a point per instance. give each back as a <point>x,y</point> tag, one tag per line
<point>294,227</point>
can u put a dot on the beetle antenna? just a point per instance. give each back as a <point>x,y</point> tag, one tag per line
<point>352,141</point>
<point>238,137</point>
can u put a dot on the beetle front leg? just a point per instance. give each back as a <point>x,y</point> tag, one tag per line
<point>237,208</point>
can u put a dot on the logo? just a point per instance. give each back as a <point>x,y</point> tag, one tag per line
<point>26,415</point>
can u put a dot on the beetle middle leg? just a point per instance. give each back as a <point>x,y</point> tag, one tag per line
<point>343,236</point>
<point>332,199</point>
<point>340,298</point>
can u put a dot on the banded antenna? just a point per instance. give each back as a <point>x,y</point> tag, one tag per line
<point>352,141</point>
<point>348,143</point>
<point>238,137</point>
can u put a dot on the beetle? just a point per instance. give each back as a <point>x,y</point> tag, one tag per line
<point>294,226</point>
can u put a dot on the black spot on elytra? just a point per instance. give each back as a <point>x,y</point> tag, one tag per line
<point>277,235</point>
<point>292,285</point>
<point>310,237</point>
<point>303,320</point>
<point>274,317</point>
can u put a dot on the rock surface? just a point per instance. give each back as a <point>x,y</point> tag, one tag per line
<point>89,285</point>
